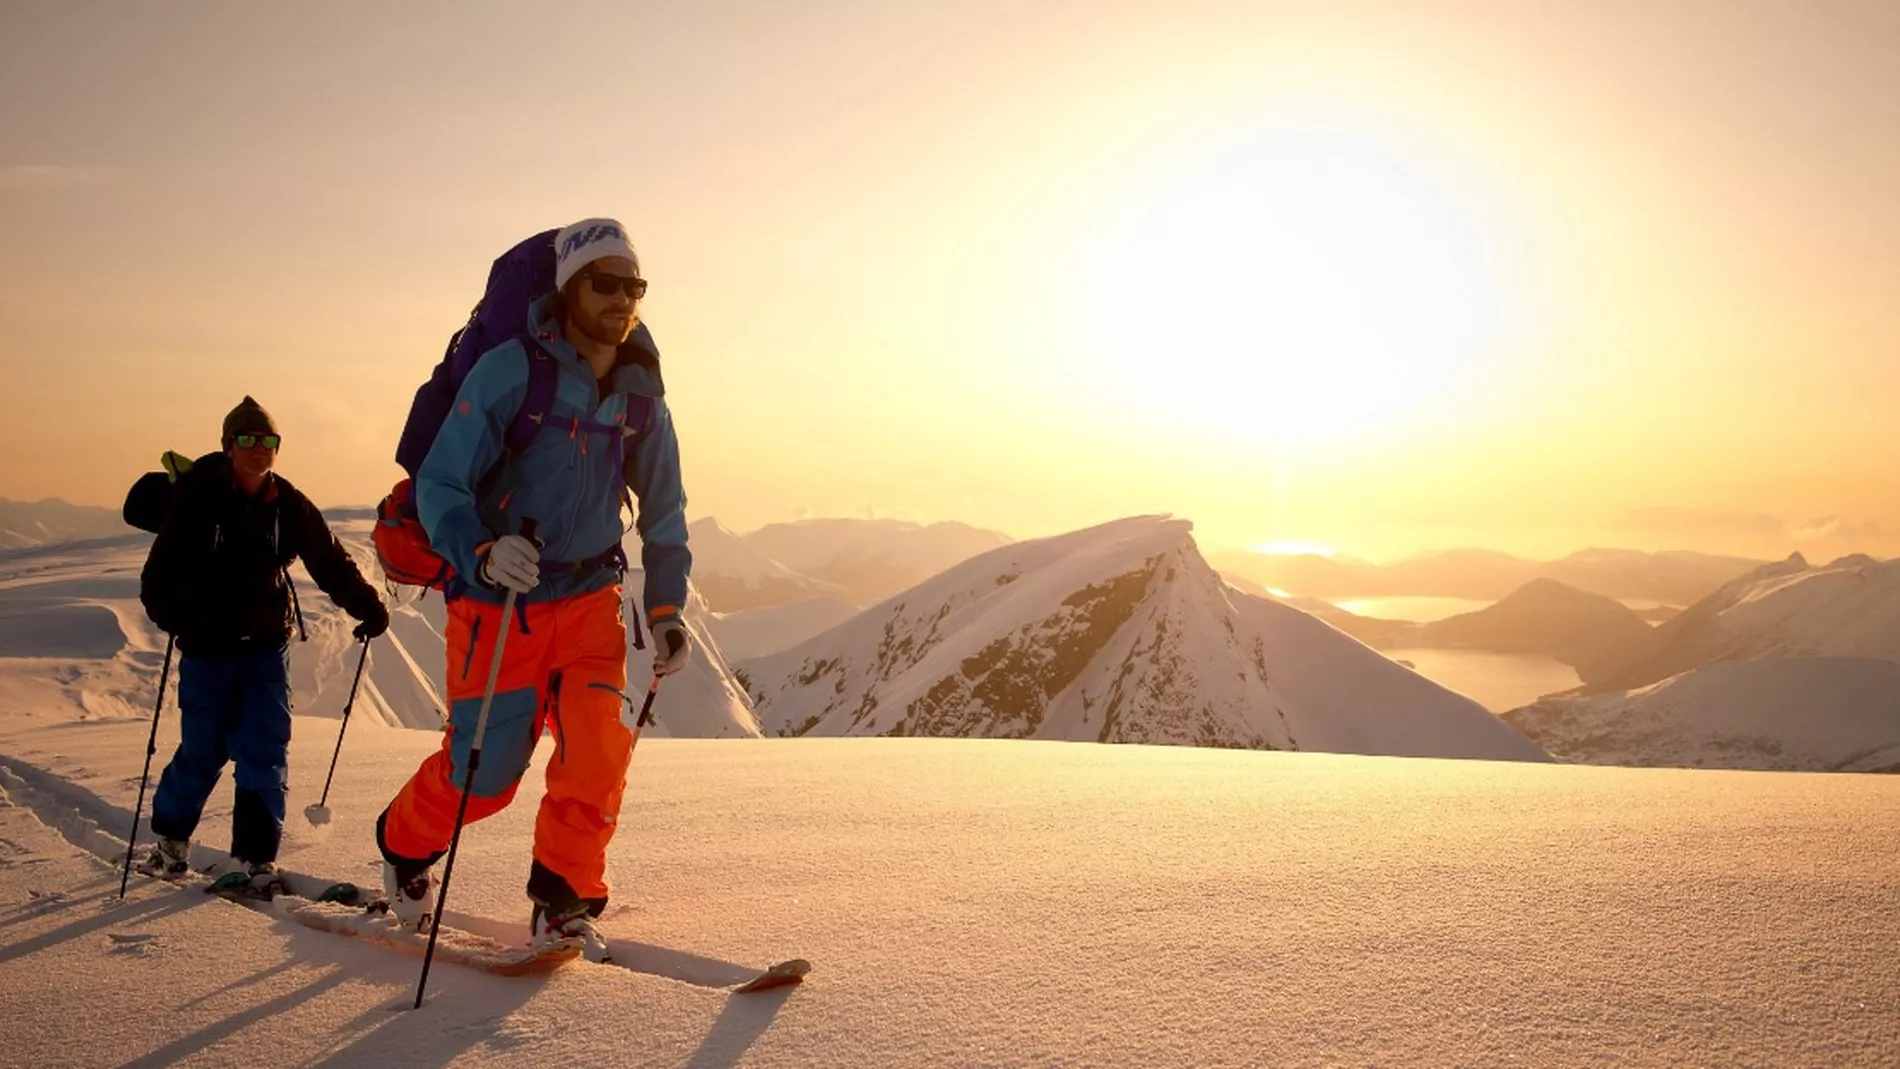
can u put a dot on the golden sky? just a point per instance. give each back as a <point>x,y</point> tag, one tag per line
<point>1387,277</point>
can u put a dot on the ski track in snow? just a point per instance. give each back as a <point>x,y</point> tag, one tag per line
<point>1012,903</point>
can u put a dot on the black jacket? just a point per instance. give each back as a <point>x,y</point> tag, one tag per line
<point>217,574</point>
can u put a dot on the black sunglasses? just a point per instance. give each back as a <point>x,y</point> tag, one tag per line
<point>608,285</point>
<point>252,441</point>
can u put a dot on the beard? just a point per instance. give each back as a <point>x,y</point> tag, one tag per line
<point>605,331</point>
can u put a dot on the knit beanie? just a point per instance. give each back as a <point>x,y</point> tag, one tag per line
<point>248,417</point>
<point>584,242</point>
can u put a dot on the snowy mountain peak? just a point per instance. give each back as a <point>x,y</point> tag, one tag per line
<point>1116,633</point>
<point>708,528</point>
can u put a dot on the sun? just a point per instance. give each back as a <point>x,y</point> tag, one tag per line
<point>1304,284</point>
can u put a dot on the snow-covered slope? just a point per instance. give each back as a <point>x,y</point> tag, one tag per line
<point>1849,608</point>
<point>702,702</point>
<point>760,632</point>
<point>1118,633</point>
<point>1836,714</point>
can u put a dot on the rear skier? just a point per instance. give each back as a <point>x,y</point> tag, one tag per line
<point>217,578</point>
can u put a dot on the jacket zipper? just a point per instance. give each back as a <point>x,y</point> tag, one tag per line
<point>579,457</point>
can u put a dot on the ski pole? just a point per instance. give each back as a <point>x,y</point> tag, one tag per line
<point>474,762</point>
<point>320,813</point>
<point>646,707</point>
<point>151,747</point>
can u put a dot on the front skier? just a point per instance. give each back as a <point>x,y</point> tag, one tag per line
<point>564,660</point>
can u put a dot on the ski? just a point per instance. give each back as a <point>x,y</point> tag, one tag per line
<point>345,909</point>
<point>242,885</point>
<point>780,975</point>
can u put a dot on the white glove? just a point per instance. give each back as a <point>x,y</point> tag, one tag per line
<point>672,647</point>
<point>513,563</point>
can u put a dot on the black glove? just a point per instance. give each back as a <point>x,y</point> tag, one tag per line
<point>166,620</point>
<point>374,624</point>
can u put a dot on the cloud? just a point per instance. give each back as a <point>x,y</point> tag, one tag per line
<point>1834,527</point>
<point>1669,521</point>
<point>39,177</point>
<point>1753,533</point>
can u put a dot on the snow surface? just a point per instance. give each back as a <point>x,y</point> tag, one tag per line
<point>995,903</point>
<point>1838,714</point>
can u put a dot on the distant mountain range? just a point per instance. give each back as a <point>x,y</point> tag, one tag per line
<point>1594,634</point>
<point>1119,633</point>
<point>752,633</point>
<point>855,561</point>
<point>26,524</point>
<point>1676,578</point>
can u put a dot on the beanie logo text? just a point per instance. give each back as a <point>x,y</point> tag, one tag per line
<point>582,238</point>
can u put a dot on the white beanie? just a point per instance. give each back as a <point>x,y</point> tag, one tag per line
<point>586,241</point>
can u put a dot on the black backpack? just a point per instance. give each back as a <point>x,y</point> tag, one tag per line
<point>149,501</point>
<point>151,496</point>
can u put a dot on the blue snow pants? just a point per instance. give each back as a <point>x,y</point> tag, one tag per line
<point>231,709</point>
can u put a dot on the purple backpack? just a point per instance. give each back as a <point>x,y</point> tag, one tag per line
<point>518,277</point>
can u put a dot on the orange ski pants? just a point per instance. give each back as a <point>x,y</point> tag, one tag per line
<point>547,683</point>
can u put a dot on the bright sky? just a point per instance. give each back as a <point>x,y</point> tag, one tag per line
<point>1387,277</point>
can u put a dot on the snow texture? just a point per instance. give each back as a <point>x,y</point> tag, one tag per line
<point>1002,903</point>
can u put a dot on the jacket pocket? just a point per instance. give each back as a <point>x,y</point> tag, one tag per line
<point>554,717</point>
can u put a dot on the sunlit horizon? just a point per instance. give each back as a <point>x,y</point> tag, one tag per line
<point>1389,280</point>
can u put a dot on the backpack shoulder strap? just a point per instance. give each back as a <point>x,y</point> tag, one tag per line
<point>639,414</point>
<point>543,377</point>
<point>536,403</point>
